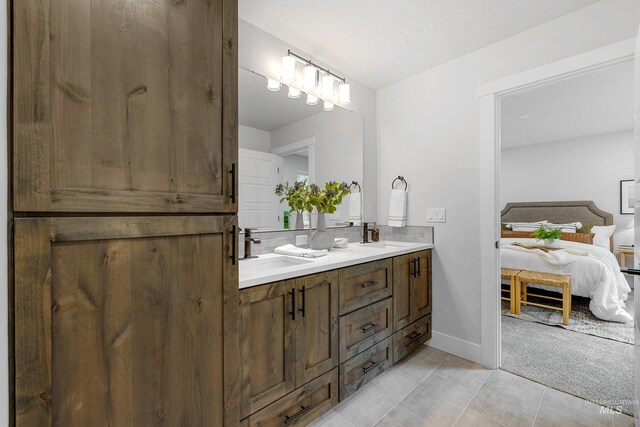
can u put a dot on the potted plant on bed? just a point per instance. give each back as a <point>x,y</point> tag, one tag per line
<point>548,235</point>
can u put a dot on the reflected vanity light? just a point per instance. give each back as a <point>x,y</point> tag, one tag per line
<point>328,106</point>
<point>344,93</point>
<point>327,86</point>
<point>312,99</point>
<point>273,85</point>
<point>293,92</point>
<point>288,72</point>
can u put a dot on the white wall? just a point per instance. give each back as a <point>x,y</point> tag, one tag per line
<point>292,165</point>
<point>428,132</point>
<point>577,169</point>
<point>254,139</point>
<point>261,52</point>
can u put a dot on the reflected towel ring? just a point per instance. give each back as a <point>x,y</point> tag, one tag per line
<point>355,183</point>
<point>400,178</point>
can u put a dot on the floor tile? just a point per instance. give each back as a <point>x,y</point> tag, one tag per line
<point>460,370</point>
<point>471,418</point>
<point>622,420</point>
<point>418,366</point>
<point>508,399</point>
<point>563,410</point>
<point>331,419</point>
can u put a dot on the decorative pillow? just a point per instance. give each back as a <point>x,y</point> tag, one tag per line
<point>526,226</point>
<point>571,237</point>
<point>603,235</point>
<point>570,227</point>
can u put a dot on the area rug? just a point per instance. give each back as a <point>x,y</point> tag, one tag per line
<point>592,368</point>
<point>581,319</point>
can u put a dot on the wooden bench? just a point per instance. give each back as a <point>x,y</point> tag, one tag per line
<point>514,293</point>
<point>562,281</point>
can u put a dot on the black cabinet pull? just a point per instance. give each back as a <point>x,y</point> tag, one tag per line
<point>419,272</point>
<point>414,336</point>
<point>369,284</point>
<point>304,303</point>
<point>370,366</point>
<point>289,418</point>
<point>234,242</point>
<point>412,268</point>
<point>232,172</point>
<point>293,304</point>
<point>367,328</point>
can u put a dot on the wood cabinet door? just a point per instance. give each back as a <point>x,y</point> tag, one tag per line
<point>421,285</point>
<point>402,276</point>
<point>124,106</point>
<point>121,321</point>
<point>317,334</point>
<point>267,344</point>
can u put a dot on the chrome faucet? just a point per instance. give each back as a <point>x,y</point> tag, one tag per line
<point>247,243</point>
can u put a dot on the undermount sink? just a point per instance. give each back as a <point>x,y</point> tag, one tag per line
<point>271,263</point>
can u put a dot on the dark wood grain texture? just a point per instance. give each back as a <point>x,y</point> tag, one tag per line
<point>363,284</point>
<point>361,369</point>
<point>402,276</point>
<point>361,329</point>
<point>411,338</point>
<point>421,286</point>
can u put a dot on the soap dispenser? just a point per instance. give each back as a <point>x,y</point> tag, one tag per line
<point>375,233</point>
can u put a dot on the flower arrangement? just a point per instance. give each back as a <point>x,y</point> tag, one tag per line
<point>548,234</point>
<point>327,199</point>
<point>295,195</point>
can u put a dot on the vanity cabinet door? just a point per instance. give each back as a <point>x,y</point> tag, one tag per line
<point>317,334</point>
<point>267,344</point>
<point>421,285</point>
<point>402,277</point>
<point>122,321</point>
<point>124,106</point>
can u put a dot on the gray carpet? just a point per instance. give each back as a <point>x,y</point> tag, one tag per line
<point>587,366</point>
<point>581,319</point>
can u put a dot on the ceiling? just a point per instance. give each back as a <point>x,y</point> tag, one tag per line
<point>379,42</point>
<point>596,103</point>
<point>262,109</point>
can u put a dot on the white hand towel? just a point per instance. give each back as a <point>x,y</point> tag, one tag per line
<point>299,252</point>
<point>398,208</point>
<point>355,208</point>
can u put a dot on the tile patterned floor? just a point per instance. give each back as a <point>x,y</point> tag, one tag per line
<point>434,388</point>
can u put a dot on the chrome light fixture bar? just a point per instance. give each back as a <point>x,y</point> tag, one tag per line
<point>311,77</point>
<point>313,64</point>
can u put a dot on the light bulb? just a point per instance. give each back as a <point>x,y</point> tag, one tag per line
<point>288,68</point>
<point>273,85</point>
<point>312,99</point>
<point>327,86</point>
<point>293,92</point>
<point>328,106</point>
<point>344,93</point>
<point>310,77</point>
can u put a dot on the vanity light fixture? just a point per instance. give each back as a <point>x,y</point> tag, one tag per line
<point>344,93</point>
<point>273,85</point>
<point>293,92</point>
<point>312,99</point>
<point>310,77</point>
<point>328,106</point>
<point>327,86</point>
<point>288,73</point>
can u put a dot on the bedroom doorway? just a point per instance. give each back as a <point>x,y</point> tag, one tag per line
<point>492,110</point>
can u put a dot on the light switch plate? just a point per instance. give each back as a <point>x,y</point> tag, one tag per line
<point>436,215</point>
<point>302,240</point>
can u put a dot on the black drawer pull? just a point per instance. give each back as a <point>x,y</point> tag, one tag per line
<point>304,303</point>
<point>289,418</point>
<point>419,273</point>
<point>414,336</point>
<point>293,304</point>
<point>234,240</point>
<point>367,328</point>
<point>370,366</point>
<point>232,172</point>
<point>369,284</point>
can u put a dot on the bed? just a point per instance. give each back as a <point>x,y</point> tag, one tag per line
<point>594,270</point>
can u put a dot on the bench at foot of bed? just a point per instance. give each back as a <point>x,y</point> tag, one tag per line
<point>525,277</point>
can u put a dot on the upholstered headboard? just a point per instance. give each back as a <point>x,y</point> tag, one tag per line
<point>561,212</point>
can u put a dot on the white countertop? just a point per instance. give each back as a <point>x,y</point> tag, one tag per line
<point>272,267</point>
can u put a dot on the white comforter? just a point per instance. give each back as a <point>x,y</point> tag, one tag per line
<point>594,273</point>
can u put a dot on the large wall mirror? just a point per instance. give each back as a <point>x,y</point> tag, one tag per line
<point>283,139</point>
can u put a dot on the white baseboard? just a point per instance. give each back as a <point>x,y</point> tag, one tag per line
<point>461,348</point>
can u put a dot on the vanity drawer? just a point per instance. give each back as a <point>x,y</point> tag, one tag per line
<point>302,405</point>
<point>363,328</point>
<point>359,370</point>
<point>410,338</point>
<point>363,284</point>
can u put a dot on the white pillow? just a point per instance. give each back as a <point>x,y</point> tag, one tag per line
<point>570,227</point>
<point>603,235</point>
<point>526,226</point>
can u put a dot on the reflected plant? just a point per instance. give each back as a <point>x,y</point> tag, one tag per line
<point>296,195</point>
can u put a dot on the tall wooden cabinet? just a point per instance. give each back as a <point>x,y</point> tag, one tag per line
<point>124,126</point>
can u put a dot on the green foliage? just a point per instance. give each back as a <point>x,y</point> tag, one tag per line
<point>547,233</point>
<point>296,195</point>
<point>303,197</point>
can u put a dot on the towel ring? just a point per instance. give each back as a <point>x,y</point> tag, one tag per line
<point>355,183</point>
<point>400,178</point>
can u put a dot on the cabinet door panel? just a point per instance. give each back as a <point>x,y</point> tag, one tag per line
<point>123,325</point>
<point>402,269</point>
<point>318,326</point>
<point>124,106</point>
<point>421,286</point>
<point>267,344</point>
